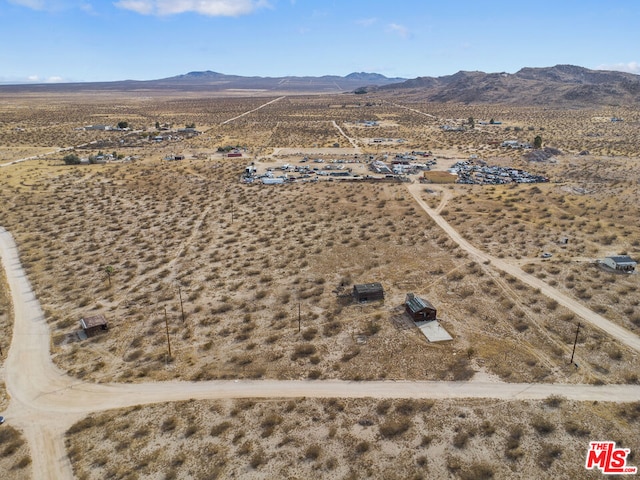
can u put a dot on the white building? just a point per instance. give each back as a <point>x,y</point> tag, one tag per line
<point>621,263</point>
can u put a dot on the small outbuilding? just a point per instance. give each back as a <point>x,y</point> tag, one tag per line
<point>419,309</point>
<point>368,292</point>
<point>94,325</point>
<point>621,263</point>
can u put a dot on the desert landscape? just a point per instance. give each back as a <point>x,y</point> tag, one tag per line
<point>204,275</point>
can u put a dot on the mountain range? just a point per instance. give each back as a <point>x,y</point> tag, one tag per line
<point>215,82</point>
<point>561,85</point>
<point>565,85</point>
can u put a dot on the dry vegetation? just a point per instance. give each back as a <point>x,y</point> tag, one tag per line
<point>6,327</point>
<point>14,454</point>
<point>594,208</point>
<point>347,438</point>
<point>244,259</point>
<point>247,258</point>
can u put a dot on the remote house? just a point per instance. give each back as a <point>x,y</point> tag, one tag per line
<point>94,325</point>
<point>368,292</point>
<point>621,263</point>
<point>419,309</point>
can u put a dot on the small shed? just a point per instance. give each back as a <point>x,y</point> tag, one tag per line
<point>94,325</point>
<point>622,263</point>
<point>368,292</point>
<point>419,309</point>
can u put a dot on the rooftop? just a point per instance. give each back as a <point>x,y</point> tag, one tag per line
<point>94,321</point>
<point>368,287</point>
<point>619,259</point>
<point>417,304</point>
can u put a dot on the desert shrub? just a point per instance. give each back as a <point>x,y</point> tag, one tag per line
<point>548,454</point>
<point>362,447</point>
<point>460,439</point>
<point>574,428</point>
<point>312,452</point>
<point>460,369</point>
<point>169,424</point>
<point>22,463</point>
<point>82,425</point>
<point>257,459</point>
<point>406,407</point>
<point>331,328</point>
<point>629,411</point>
<point>426,441</point>
<point>487,429</point>
<point>309,333</point>
<point>554,401</point>
<point>349,354</point>
<point>477,471</point>
<point>383,407</point>
<point>542,425</point>
<point>394,427</point>
<point>303,350</point>
<point>269,423</point>
<point>512,447</point>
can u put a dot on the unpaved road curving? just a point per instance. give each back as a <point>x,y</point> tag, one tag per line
<point>45,402</point>
<point>621,334</point>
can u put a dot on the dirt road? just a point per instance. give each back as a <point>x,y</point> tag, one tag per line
<point>254,110</point>
<point>352,141</point>
<point>615,331</point>
<point>45,402</point>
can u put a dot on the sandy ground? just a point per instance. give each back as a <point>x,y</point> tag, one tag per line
<point>45,402</point>
<point>617,332</point>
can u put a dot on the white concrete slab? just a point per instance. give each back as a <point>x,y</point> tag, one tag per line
<point>434,331</point>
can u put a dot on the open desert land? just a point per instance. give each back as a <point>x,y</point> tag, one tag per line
<point>252,281</point>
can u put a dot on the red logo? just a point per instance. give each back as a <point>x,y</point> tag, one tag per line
<point>609,459</point>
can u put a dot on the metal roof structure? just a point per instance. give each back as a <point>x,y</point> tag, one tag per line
<point>622,259</point>
<point>417,304</point>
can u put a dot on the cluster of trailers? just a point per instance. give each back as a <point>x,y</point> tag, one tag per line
<point>470,173</point>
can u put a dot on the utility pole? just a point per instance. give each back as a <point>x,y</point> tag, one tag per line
<point>574,343</point>
<point>181,305</point>
<point>232,213</point>
<point>166,324</point>
<point>299,319</point>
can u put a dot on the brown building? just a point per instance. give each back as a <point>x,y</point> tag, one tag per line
<point>94,325</point>
<point>368,292</point>
<point>419,309</point>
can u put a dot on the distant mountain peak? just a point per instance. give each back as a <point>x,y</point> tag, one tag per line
<point>206,73</point>
<point>557,85</point>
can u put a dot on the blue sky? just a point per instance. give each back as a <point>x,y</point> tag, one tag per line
<point>91,40</point>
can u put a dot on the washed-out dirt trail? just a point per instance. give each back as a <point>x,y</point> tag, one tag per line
<point>619,333</point>
<point>45,401</point>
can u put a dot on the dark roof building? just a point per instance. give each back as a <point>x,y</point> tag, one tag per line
<point>94,325</point>
<point>419,309</point>
<point>367,292</point>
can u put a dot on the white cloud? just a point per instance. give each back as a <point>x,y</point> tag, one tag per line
<point>54,79</point>
<point>33,78</point>
<point>400,30</point>
<point>212,8</point>
<point>631,67</point>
